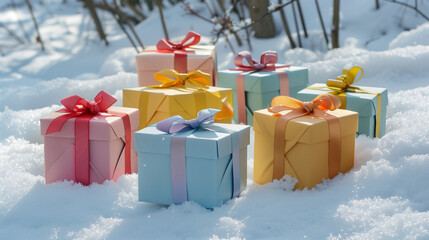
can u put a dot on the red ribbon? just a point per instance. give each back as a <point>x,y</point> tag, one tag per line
<point>84,111</point>
<point>268,64</point>
<point>179,50</point>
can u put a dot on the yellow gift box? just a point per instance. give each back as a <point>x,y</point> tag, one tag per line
<point>156,104</point>
<point>306,151</point>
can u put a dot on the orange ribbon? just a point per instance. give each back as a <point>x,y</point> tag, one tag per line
<point>317,107</point>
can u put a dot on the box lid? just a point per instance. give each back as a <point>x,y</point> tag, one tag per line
<point>264,81</point>
<point>149,59</point>
<point>307,129</point>
<point>363,103</point>
<point>100,128</point>
<point>206,144</point>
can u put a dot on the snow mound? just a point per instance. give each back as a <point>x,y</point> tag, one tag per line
<point>418,36</point>
<point>122,60</point>
<point>31,95</point>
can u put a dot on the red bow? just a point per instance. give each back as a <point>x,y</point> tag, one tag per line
<point>76,106</point>
<point>165,44</point>
<point>83,110</point>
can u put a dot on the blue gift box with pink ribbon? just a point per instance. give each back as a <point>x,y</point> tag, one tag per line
<point>192,160</point>
<point>255,83</point>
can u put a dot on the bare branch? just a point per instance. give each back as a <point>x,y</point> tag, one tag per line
<point>410,6</point>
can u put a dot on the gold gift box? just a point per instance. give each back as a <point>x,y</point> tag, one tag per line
<point>156,104</point>
<point>307,146</point>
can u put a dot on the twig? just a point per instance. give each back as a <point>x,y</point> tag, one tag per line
<point>133,8</point>
<point>377,4</point>
<point>410,6</point>
<point>296,25</point>
<point>117,17</point>
<point>321,22</point>
<point>20,22</point>
<point>91,7</point>
<point>286,26</point>
<point>36,26</point>
<point>124,16</point>
<point>304,27</point>
<point>161,14</point>
<point>275,9</point>
<point>242,18</point>
<point>12,34</point>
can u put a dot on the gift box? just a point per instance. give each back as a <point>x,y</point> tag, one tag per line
<point>207,165</point>
<point>310,146</point>
<point>89,142</point>
<point>185,96</point>
<point>262,82</point>
<point>182,56</point>
<point>369,102</point>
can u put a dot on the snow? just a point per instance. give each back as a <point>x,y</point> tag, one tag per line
<point>383,197</point>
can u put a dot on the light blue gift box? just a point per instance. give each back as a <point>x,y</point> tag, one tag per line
<point>209,178</point>
<point>261,87</point>
<point>363,103</point>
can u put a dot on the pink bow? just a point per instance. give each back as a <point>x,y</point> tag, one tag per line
<point>165,44</point>
<point>267,63</point>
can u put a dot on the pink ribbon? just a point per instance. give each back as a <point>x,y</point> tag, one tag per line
<point>177,124</point>
<point>267,63</point>
<point>179,50</point>
<point>83,110</point>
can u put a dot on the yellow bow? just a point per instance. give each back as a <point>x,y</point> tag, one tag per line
<point>341,84</point>
<point>171,78</point>
<point>344,82</point>
<point>193,81</point>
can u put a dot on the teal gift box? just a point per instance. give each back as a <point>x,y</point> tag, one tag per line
<point>208,156</point>
<point>262,86</point>
<point>365,104</point>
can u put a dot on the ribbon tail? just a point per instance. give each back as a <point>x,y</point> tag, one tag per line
<point>236,170</point>
<point>178,169</point>
<point>82,167</point>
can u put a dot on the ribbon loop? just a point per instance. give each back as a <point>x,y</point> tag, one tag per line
<point>190,39</point>
<point>177,124</point>
<point>171,78</point>
<point>342,82</point>
<point>267,62</point>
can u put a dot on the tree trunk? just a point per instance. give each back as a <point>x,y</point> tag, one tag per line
<point>377,4</point>
<point>336,25</point>
<point>265,27</point>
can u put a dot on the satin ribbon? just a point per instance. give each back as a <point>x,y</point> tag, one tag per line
<point>343,83</point>
<point>268,64</point>
<point>177,124</point>
<point>196,81</point>
<point>179,49</point>
<point>317,107</point>
<point>171,78</point>
<point>83,111</point>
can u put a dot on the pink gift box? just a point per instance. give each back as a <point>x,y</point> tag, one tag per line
<point>106,147</point>
<point>150,61</point>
